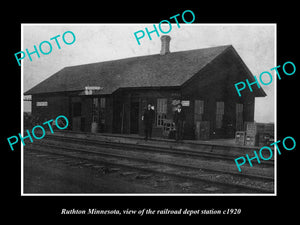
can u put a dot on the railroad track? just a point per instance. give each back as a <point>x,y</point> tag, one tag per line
<point>208,154</point>
<point>151,162</point>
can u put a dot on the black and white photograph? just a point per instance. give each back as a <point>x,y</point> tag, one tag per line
<point>111,111</point>
<point>142,111</point>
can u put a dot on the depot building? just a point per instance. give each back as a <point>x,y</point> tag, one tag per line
<point>110,96</point>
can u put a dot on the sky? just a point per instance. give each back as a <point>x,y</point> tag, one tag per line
<point>255,43</point>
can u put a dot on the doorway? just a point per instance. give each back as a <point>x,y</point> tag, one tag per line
<point>77,123</point>
<point>134,117</point>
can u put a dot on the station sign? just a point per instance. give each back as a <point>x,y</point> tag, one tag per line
<point>185,103</point>
<point>42,104</point>
<point>89,90</point>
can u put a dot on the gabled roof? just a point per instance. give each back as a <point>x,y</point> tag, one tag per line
<point>154,71</point>
<point>170,70</point>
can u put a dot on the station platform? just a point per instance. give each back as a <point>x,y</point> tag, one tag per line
<point>222,146</point>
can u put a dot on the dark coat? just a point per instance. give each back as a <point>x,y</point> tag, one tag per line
<point>179,116</point>
<point>149,116</point>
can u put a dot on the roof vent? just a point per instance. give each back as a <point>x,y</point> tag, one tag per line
<point>165,44</point>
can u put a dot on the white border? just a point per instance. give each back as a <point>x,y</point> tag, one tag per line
<point>22,117</point>
<point>275,112</point>
<point>150,194</point>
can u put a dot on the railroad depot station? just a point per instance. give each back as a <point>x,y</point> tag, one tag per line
<point>110,96</point>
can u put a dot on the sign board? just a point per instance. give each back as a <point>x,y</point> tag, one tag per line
<point>93,88</point>
<point>89,90</point>
<point>185,103</point>
<point>41,103</point>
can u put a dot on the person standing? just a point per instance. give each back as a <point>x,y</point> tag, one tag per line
<point>148,118</point>
<point>178,119</point>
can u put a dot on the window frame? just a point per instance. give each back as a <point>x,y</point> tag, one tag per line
<point>161,111</point>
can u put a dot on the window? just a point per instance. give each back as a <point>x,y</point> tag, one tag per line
<point>95,102</point>
<point>160,119</point>
<point>161,111</point>
<point>219,114</point>
<point>199,110</point>
<point>95,110</point>
<point>239,117</point>
<point>102,103</point>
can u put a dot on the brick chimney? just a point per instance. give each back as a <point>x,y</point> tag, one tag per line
<point>165,44</point>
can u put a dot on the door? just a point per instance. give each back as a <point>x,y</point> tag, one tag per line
<point>202,130</point>
<point>198,110</point>
<point>118,115</point>
<point>134,117</point>
<point>219,115</point>
<point>76,116</point>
